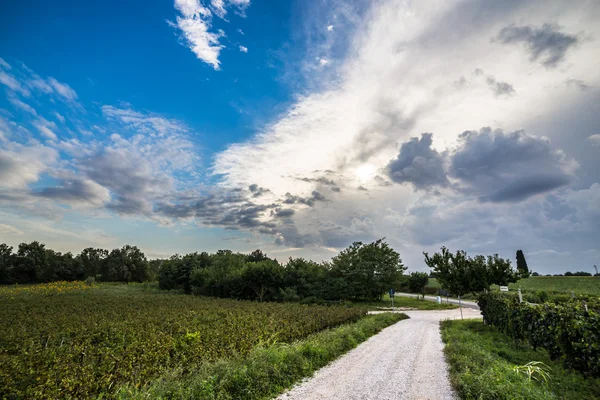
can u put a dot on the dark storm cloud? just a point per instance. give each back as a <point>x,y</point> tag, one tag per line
<point>546,43</point>
<point>526,187</point>
<point>501,167</point>
<point>418,164</point>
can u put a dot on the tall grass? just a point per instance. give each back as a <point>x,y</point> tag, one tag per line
<point>486,364</point>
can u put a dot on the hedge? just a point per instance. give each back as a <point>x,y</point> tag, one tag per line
<point>566,330</point>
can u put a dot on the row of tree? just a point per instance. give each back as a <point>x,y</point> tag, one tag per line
<point>360,272</point>
<point>461,274</point>
<point>34,263</point>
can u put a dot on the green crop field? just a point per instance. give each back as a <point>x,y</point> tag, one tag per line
<point>584,285</point>
<point>69,340</point>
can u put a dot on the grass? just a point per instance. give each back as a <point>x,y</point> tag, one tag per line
<point>585,285</point>
<point>486,364</point>
<point>580,285</point>
<point>406,303</point>
<point>267,371</point>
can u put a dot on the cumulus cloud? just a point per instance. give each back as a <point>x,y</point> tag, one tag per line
<point>508,167</point>
<point>243,49</point>
<point>418,164</point>
<point>547,42</point>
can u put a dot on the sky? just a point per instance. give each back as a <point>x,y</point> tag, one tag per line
<point>301,126</point>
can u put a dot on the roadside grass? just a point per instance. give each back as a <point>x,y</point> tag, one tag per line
<point>482,366</point>
<point>266,371</point>
<point>402,303</point>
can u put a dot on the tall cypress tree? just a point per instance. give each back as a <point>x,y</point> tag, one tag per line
<point>522,268</point>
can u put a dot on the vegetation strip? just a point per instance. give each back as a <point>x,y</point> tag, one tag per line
<point>267,371</point>
<point>67,342</point>
<point>569,330</point>
<point>486,364</point>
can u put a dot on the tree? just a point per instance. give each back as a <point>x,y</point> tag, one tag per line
<point>257,256</point>
<point>92,260</point>
<point>6,264</point>
<point>417,282</point>
<point>31,263</point>
<point>461,274</point>
<point>262,280</point>
<point>368,270</point>
<point>127,264</point>
<point>522,268</point>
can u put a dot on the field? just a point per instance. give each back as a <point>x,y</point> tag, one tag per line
<point>483,361</point>
<point>583,285</point>
<point>65,340</point>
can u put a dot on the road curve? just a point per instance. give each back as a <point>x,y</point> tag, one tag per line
<point>465,303</point>
<point>404,361</point>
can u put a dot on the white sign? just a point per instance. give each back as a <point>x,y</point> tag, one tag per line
<point>504,288</point>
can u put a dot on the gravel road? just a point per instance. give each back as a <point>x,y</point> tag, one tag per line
<point>404,361</point>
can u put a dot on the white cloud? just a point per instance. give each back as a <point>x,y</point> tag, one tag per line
<point>9,230</point>
<point>243,49</point>
<point>21,165</point>
<point>595,139</point>
<point>323,62</point>
<point>396,81</point>
<point>23,106</point>
<point>4,64</point>
<point>46,128</point>
<point>12,83</point>
<point>59,117</point>
<point>218,7</point>
<point>63,89</point>
<point>195,23</point>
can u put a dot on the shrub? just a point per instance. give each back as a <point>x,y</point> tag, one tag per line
<point>565,329</point>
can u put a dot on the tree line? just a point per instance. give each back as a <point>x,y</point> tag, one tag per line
<point>34,263</point>
<point>360,272</point>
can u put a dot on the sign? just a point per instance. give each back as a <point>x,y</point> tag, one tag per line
<point>504,288</point>
<point>392,292</point>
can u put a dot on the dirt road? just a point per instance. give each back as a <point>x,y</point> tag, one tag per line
<point>404,361</point>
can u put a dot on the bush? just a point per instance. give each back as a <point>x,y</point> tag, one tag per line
<point>89,281</point>
<point>565,329</point>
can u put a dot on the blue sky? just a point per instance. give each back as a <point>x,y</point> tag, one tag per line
<point>301,126</point>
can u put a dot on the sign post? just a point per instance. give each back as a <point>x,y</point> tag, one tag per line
<point>392,293</point>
